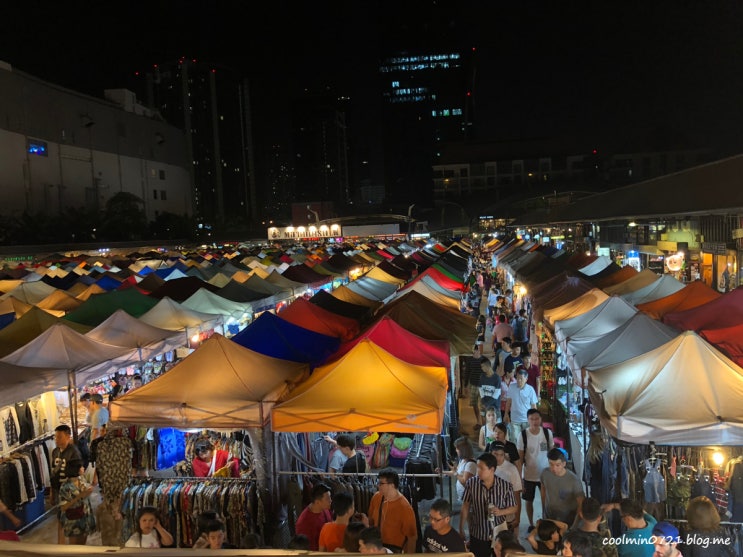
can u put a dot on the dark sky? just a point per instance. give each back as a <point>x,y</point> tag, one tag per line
<point>619,72</point>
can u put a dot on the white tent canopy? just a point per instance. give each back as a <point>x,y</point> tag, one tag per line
<point>121,329</point>
<point>578,306</point>
<point>684,392</point>
<point>596,266</point>
<point>638,335</point>
<point>169,314</point>
<point>664,286</point>
<point>61,347</point>
<point>21,383</point>
<point>596,322</point>
<point>205,301</point>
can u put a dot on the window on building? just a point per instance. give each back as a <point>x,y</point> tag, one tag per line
<point>154,194</point>
<point>463,172</point>
<point>162,175</point>
<point>163,195</point>
<point>36,147</point>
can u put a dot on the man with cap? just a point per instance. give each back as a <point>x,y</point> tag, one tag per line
<point>98,417</point>
<point>665,540</point>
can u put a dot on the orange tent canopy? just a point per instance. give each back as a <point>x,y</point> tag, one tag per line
<point>313,317</point>
<point>368,389</point>
<point>692,295</point>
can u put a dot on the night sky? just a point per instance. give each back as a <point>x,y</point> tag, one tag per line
<point>626,75</point>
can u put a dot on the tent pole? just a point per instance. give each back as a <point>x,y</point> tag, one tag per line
<point>72,393</point>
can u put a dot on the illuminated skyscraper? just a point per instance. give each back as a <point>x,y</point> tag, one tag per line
<point>427,101</point>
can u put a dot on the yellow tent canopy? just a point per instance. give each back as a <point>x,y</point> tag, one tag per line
<point>366,390</point>
<point>221,385</point>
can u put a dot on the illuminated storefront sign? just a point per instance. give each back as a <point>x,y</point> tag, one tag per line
<point>304,232</point>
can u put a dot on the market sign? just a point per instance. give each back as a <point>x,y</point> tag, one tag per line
<point>715,248</point>
<point>304,232</point>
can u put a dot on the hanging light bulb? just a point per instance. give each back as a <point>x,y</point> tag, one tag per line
<point>718,458</point>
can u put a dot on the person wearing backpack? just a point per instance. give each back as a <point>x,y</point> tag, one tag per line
<point>533,444</point>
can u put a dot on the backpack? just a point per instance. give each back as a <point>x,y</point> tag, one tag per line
<point>523,439</point>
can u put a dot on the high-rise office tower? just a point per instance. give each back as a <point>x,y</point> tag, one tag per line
<point>427,101</point>
<point>212,105</point>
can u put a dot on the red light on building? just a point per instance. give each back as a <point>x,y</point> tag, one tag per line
<point>595,151</point>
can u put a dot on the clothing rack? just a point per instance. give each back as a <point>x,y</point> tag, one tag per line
<point>28,443</point>
<point>356,474</point>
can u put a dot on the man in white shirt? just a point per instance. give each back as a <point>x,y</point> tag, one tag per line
<point>511,474</point>
<point>533,445</point>
<point>521,397</point>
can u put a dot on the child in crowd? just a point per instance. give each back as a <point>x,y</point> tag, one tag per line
<point>150,533</point>
<point>550,534</point>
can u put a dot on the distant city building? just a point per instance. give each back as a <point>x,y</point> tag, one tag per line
<point>427,102</point>
<point>321,148</point>
<point>543,170</point>
<point>62,150</point>
<point>212,105</point>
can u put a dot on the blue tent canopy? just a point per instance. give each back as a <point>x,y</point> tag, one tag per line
<point>272,336</point>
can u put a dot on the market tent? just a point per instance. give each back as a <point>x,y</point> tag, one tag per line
<point>452,299</point>
<point>372,288</point>
<point>578,306</point>
<point>121,329</point>
<point>728,340</point>
<point>61,347</point>
<point>684,392</point>
<point>596,322</point>
<point>392,395</point>
<point>432,321</point>
<point>596,266</point>
<point>638,335</point>
<point>205,301</point>
<point>559,291</point>
<point>635,282</point>
<point>34,322</point>
<point>348,295</point>
<point>14,306</point>
<point>312,317</point>
<point>21,382</point>
<point>30,292</point>
<point>665,285</point>
<point>402,344</point>
<point>169,314</point>
<point>296,288</point>
<point>725,311</point>
<point>339,307</point>
<point>99,307</point>
<point>275,337</point>
<point>379,274</point>
<point>59,303</point>
<point>221,385</point>
<point>692,295</point>
<point>180,289</point>
<point>622,274</point>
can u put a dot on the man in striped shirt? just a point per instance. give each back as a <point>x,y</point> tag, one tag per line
<point>486,501</point>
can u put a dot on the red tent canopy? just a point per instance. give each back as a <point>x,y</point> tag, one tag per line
<point>728,340</point>
<point>725,311</point>
<point>692,295</point>
<point>402,344</point>
<point>313,317</point>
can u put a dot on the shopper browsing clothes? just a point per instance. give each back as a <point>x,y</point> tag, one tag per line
<point>76,514</point>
